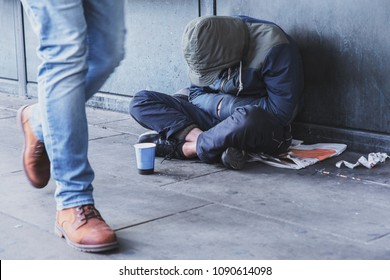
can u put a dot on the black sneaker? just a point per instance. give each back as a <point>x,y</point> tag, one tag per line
<point>234,159</point>
<point>166,148</point>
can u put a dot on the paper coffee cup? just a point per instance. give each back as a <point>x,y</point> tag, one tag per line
<point>145,155</point>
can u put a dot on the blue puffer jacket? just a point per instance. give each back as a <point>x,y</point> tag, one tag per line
<point>269,76</point>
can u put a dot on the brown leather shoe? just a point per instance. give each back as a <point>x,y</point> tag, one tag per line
<point>84,229</point>
<point>36,163</point>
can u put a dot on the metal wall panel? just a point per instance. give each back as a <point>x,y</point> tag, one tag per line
<point>8,65</point>
<point>344,44</point>
<point>154,59</point>
<point>207,7</point>
<point>345,47</point>
<point>153,48</point>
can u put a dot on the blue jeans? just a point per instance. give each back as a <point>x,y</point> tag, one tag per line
<point>80,44</point>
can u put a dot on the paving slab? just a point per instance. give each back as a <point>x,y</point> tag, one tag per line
<point>117,155</point>
<point>352,210</point>
<point>11,135</point>
<point>220,232</point>
<point>10,160</point>
<point>11,102</point>
<point>21,240</point>
<point>24,202</point>
<point>118,122</point>
<point>122,205</point>
<point>5,114</point>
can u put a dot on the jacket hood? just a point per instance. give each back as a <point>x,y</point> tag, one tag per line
<point>211,44</point>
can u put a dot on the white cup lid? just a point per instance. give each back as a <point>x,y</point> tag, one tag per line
<point>144,145</point>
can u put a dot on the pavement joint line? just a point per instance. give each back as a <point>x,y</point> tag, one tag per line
<point>6,118</point>
<point>8,109</point>
<point>165,216</point>
<point>16,171</point>
<point>26,222</point>
<point>280,220</point>
<point>376,183</point>
<point>10,147</point>
<point>111,121</point>
<point>194,177</point>
<point>105,137</point>
<point>378,237</point>
<point>114,129</point>
<point>351,178</point>
<point>11,172</point>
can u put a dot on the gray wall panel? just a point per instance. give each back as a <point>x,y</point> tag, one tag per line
<point>153,53</point>
<point>8,65</point>
<point>153,59</point>
<point>345,48</point>
<point>207,7</point>
<point>344,44</point>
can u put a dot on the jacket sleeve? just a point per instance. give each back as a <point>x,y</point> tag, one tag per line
<point>283,77</point>
<point>205,99</point>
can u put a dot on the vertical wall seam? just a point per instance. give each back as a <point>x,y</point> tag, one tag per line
<point>20,49</point>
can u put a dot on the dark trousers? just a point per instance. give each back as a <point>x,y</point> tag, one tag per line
<point>248,128</point>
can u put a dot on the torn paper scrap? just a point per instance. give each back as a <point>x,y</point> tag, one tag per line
<point>300,156</point>
<point>369,162</point>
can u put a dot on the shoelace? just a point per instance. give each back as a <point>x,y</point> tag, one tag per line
<point>88,212</point>
<point>171,154</point>
<point>174,152</point>
<point>39,149</point>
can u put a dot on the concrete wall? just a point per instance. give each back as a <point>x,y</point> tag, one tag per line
<point>153,55</point>
<point>345,47</point>
<point>344,44</point>
<point>7,46</point>
<point>8,60</point>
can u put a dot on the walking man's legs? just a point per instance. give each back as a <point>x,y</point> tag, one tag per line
<point>80,44</point>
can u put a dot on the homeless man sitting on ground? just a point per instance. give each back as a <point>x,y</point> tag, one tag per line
<point>246,88</point>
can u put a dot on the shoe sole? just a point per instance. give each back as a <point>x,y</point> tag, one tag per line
<point>19,122</point>
<point>145,135</point>
<point>85,248</point>
<point>235,161</point>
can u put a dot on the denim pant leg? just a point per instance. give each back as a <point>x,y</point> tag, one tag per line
<point>106,35</point>
<point>249,128</point>
<point>167,114</point>
<point>66,81</point>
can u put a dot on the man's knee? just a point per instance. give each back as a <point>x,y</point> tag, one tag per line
<point>140,98</point>
<point>260,130</point>
<point>115,58</point>
<point>108,63</point>
<point>253,118</point>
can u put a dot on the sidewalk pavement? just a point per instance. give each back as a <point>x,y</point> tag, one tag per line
<point>190,210</point>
